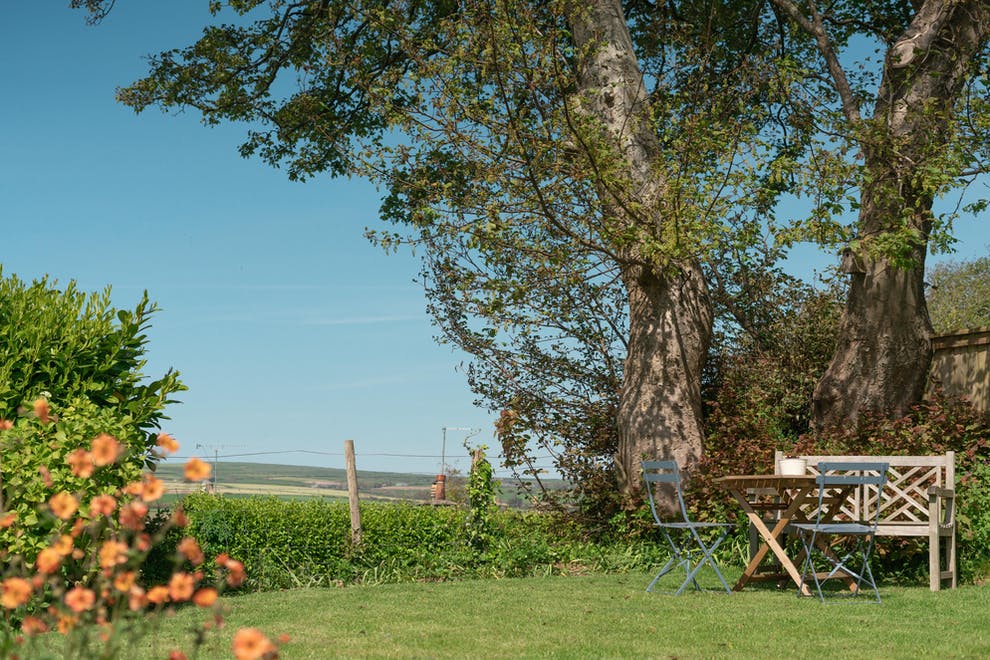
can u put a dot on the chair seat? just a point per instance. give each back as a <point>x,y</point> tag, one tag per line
<point>689,525</point>
<point>847,528</point>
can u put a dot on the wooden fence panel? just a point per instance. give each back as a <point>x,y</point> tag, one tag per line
<point>961,365</point>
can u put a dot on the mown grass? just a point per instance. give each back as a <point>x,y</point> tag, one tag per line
<point>594,616</point>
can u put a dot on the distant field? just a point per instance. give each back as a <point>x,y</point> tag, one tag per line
<point>239,479</point>
<point>298,482</point>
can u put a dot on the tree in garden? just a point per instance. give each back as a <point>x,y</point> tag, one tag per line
<point>571,172</point>
<point>959,294</point>
<point>564,165</point>
<point>924,135</point>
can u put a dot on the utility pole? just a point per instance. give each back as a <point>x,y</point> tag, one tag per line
<point>439,488</point>
<point>216,456</point>
<point>443,445</point>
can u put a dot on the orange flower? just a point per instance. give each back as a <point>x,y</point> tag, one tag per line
<point>205,597</point>
<point>152,488</point>
<point>251,643</point>
<point>179,518</point>
<point>48,561</point>
<point>167,442</point>
<point>106,449</point>
<point>46,476</point>
<point>64,545</point>
<point>66,623</point>
<point>157,595</point>
<point>124,581</point>
<point>32,625</point>
<point>80,599</point>
<point>177,655</point>
<point>8,519</point>
<point>63,505</point>
<point>136,598</point>
<point>15,592</point>
<point>102,505</point>
<point>42,411</point>
<point>197,470</point>
<point>132,515</point>
<point>133,488</point>
<point>190,550</point>
<point>113,553</point>
<point>5,424</point>
<point>81,462</point>
<point>142,542</point>
<point>181,586</point>
<point>236,576</point>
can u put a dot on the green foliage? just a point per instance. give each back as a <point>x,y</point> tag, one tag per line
<point>760,379</point>
<point>33,457</point>
<point>959,294</point>
<point>64,344</point>
<point>973,516</point>
<point>481,490</point>
<point>292,544</point>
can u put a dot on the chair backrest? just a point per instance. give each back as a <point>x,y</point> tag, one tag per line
<point>662,472</point>
<point>869,476</point>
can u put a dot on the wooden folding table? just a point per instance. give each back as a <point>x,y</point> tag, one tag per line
<point>778,500</point>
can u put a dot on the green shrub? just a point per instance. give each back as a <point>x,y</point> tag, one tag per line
<point>35,453</point>
<point>285,544</point>
<point>63,345</point>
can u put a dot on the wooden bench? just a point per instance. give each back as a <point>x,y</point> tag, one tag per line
<point>917,501</point>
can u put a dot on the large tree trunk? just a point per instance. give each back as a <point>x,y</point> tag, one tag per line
<point>884,346</point>
<point>670,314</point>
<point>659,416</point>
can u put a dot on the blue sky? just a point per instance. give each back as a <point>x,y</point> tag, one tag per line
<point>292,332</point>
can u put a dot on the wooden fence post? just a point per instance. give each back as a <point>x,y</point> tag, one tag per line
<point>352,492</point>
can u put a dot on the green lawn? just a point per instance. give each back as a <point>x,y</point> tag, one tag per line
<point>597,616</point>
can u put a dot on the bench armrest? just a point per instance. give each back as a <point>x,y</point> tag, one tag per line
<point>944,493</point>
<point>941,516</point>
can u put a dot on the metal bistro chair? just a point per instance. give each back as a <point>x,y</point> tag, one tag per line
<point>866,479</point>
<point>683,536</point>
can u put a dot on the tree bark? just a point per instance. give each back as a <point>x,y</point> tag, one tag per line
<point>670,313</point>
<point>883,351</point>
<point>659,415</point>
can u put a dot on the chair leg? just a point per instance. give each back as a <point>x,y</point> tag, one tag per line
<point>682,557</point>
<point>839,566</point>
<point>707,558</point>
<point>677,557</point>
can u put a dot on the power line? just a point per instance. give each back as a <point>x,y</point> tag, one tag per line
<point>335,453</point>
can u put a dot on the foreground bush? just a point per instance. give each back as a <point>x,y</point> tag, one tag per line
<point>76,585</point>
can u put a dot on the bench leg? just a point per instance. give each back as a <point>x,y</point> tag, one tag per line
<point>934,563</point>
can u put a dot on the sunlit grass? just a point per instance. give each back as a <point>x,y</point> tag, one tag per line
<point>595,616</point>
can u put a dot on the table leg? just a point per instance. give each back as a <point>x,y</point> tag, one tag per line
<point>770,543</point>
